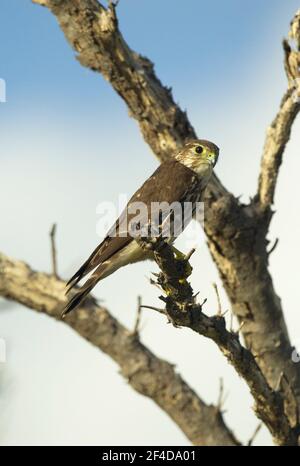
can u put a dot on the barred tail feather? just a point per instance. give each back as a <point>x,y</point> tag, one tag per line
<point>90,264</point>
<point>81,273</point>
<point>76,300</point>
<point>80,294</point>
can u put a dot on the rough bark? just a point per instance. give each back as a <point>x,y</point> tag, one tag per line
<point>274,408</point>
<point>278,135</point>
<point>236,233</point>
<point>149,375</point>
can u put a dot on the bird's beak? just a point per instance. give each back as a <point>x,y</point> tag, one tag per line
<point>216,156</point>
<point>212,158</point>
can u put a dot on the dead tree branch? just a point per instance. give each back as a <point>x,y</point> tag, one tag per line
<point>149,375</point>
<point>138,316</point>
<point>183,311</point>
<point>279,132</point>
<point>53,250</point>
<point>236,233</point>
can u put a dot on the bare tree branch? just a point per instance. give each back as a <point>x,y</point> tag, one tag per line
<point>218,299</point>
<point>240,252</point>
<point>278,135</point>
<point>138,316</point>
<point>93,32</point>
<point>279,132</point>
<point>236,233</point>
<point>146,373</point>
<point>183,311</point>
<point>53,250</point>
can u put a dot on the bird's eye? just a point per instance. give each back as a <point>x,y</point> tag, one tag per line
<point>199,149</point>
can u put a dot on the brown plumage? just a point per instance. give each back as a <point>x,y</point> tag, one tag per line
<point>177,180</point>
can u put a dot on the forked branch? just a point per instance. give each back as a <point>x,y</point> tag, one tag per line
<point>182,310</point>
<point>278,133</point>
<point>146,373</point>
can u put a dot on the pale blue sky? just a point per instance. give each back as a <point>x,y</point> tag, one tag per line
<point>67,144</point>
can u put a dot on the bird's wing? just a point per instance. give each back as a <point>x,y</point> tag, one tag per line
<point>109,246</point>
<point>168,183</point>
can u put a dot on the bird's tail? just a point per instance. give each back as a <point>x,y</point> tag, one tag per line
<point>90,264</point>
<point>76,300</point>
<point>82,293</point>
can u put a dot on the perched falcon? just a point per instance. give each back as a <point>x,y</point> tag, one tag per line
<point>182,179</point>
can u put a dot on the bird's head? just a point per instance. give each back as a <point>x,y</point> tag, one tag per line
<point>198,155</point>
